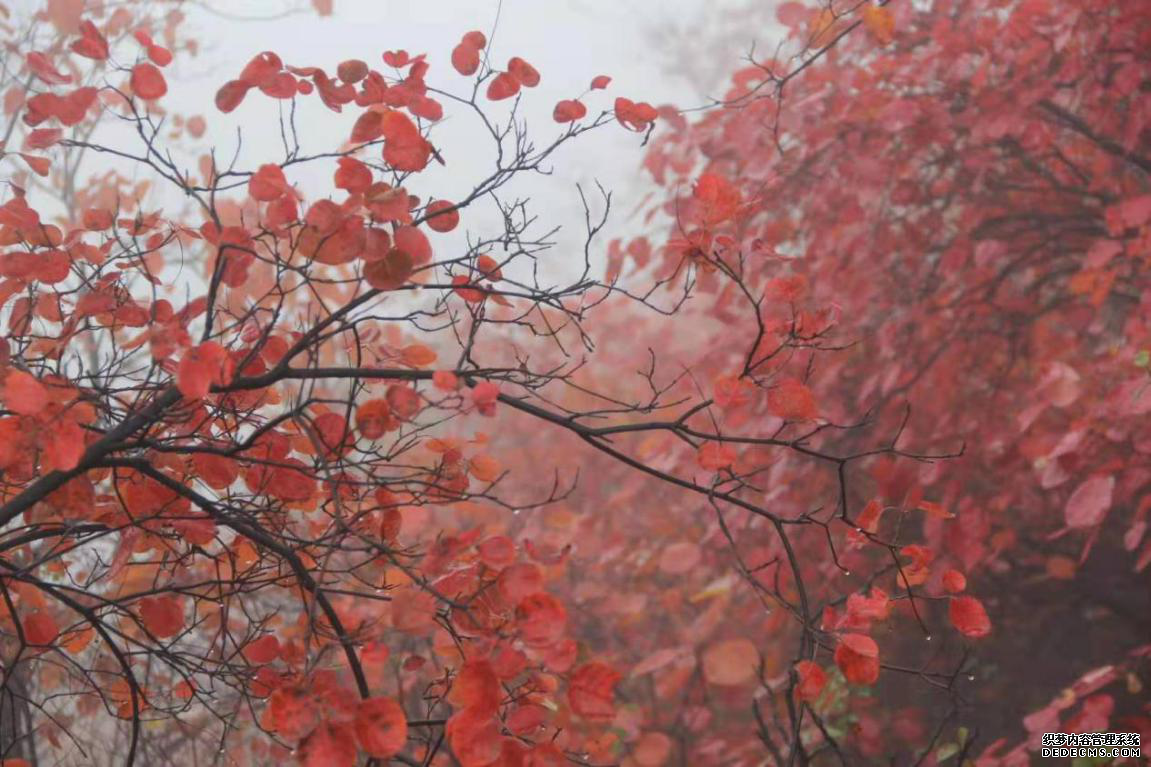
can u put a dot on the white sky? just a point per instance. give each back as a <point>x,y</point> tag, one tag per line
<point>639,43</point>
<point>661,51</point>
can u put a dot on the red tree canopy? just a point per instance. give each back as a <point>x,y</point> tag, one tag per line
<point>364,472</point>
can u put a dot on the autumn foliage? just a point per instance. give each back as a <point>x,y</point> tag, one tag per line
<point>351,472</point>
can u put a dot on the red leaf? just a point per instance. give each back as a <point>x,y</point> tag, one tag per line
<point>404,401</point>
<point>389,272</point>
<point>1090,502</point>
<point>368,127</point>
<point>485,395</point>
<point>148,82</point>
<point>719,198</point>
<point>858,658</point>
<point>503,86</point>
<point>163,616</point>
<point>969,617</point>
<point>42,138</point>
<point>569,110</point>
<point>397,59</point>
<point>476,687</point>
<point>353,175</point>
<point>268,183</point>
<point>954,581</point>
<point>292,712</point>
<point>216,471</point>
<point>41,66</point>
<point>791,400</point>
<point>329,745</point>
<point>600,82</point>
<point>352,70</point>
<point>541,619</point>
<point>263,650</point>
<point>261,71</point>
<point>731,662</point>
<point>40,628</point>
<point>442,216</point>
<point>41,166</point>
<point>466,58</point>
<point>732,391</point>
<point>489,267</point>
<point>475,738</point>
<point>201,367</point>
<point>159,55</point>
<point>811,681</point>
<point>633,116</point>
<point>23,394</point>
<point>381,727</point>
<point>405,149</point>
<point>428,109</point>
<point>861,610</point>
<point>462,288</point>
<point>445,380</point>
<point>591,691</point>
<point>91,44</point>
<point>714,456</point>
<point>524,72</point>
<point>231,94</point>
<point>414,242</point>
<point>374,418</point>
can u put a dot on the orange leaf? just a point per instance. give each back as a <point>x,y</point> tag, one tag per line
<point>418,356</point>
<point>880,22</point>
<point>484,468</point>
<point>935,510</point>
